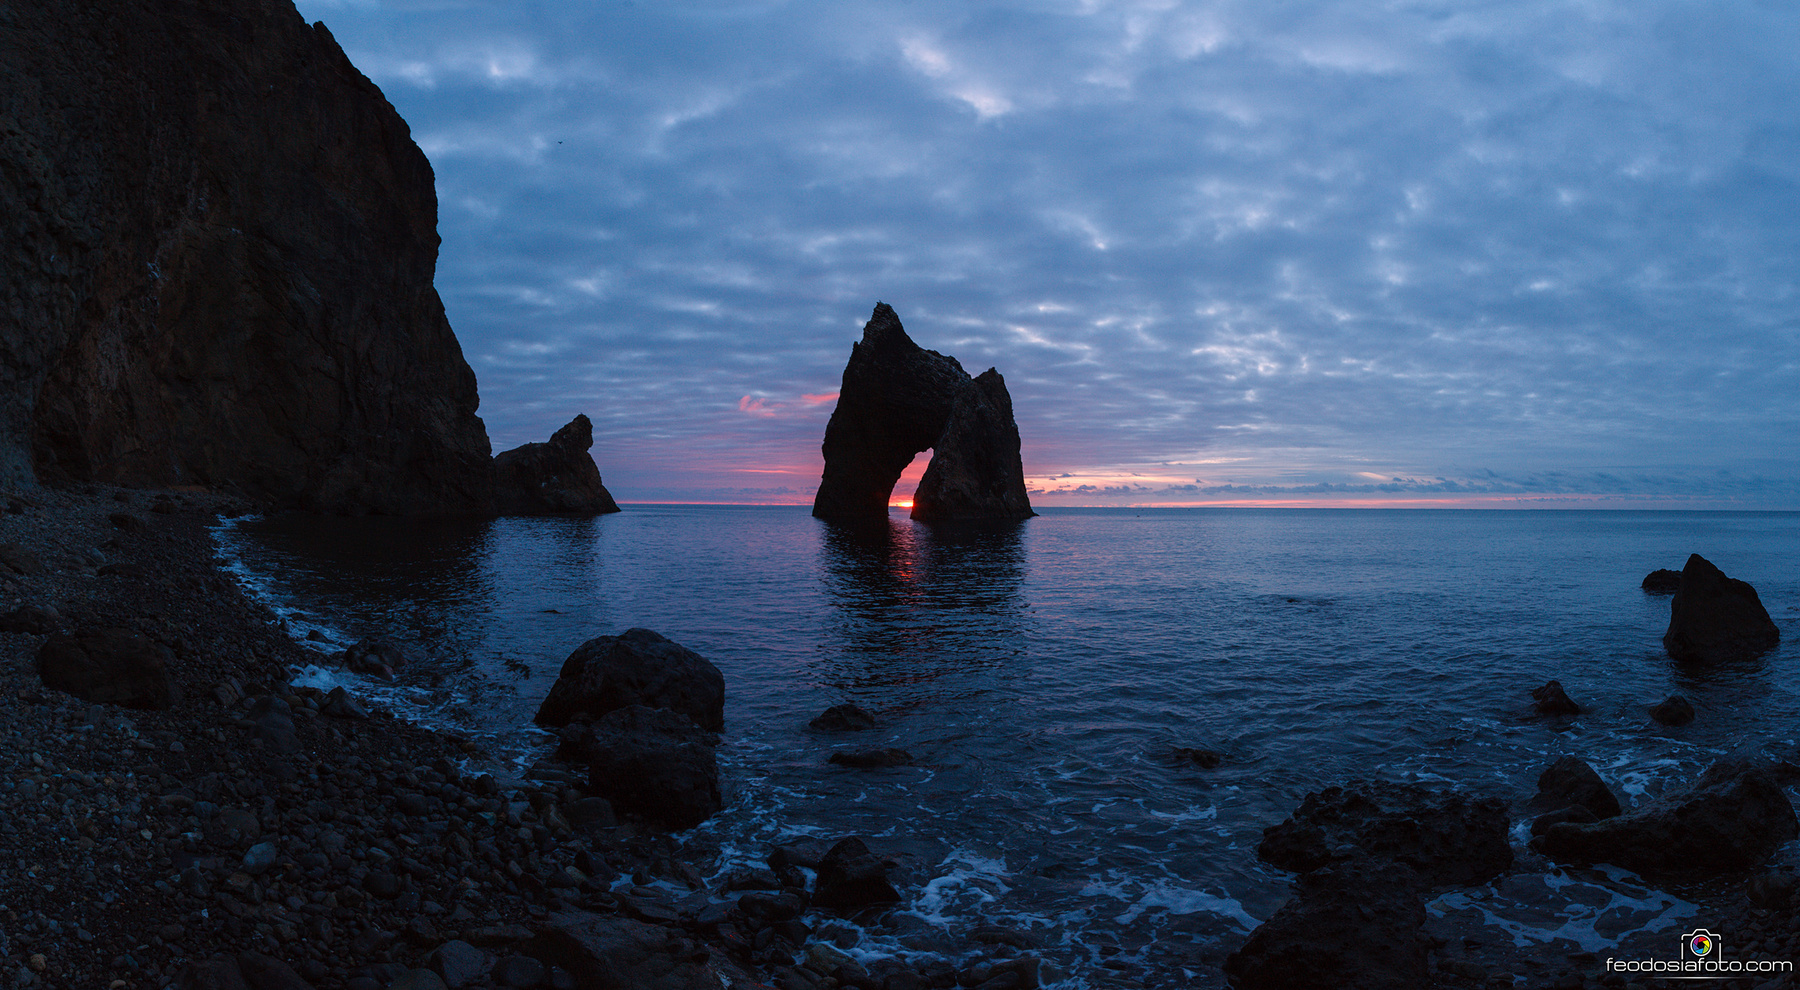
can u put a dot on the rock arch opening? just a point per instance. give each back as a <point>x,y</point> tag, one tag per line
<point>899,400</point>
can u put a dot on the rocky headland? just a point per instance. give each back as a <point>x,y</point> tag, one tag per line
<point>898,399</point>
<point>221,243</point>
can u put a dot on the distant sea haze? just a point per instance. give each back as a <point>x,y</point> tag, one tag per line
<point>1041,673</point>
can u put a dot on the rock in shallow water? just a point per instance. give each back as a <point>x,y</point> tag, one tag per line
<point>871,759</point>
<point>1734,817</point>
<point>851,877</point>
<point>843,718</point>
<point>636,667</point>
<point>651,762</point>
<point>1446,837</point>
<point>1551,699</point>
<point>1353,925</point>
<point>1675,712</point>
<point>1714,617</point>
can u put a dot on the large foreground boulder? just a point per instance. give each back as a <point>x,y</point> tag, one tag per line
<point>1734,817</point>
<point>898,399</point>
<point>1713,617</point>
<point>1446,837</point>
<point>555,478</point>
<point>649,761</point>
<point>636,667</point>
<point>852,877</point>
<point>1354,925</point>
<point>609,952</point>
<point>1570,791</point>
<point>111,666</point>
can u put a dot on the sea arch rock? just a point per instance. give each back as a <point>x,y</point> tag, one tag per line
<point>898,399</point>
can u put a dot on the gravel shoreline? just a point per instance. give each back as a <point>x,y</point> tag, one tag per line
<point>257,834</point>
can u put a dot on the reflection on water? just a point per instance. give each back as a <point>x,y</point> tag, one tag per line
<point>913,604</point>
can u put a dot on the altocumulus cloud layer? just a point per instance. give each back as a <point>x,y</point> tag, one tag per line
<point>1227,251</point>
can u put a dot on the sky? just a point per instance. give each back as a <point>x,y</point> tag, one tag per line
<point>1285,252</point>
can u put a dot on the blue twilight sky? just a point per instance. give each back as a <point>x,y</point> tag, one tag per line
<point>1414,251</point>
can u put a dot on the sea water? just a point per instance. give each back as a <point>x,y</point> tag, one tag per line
<point>1041,673</point>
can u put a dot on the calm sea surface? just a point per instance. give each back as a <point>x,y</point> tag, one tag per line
<point>1041,672</point>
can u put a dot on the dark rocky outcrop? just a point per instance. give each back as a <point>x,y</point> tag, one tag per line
<point>871,759</point>
<point>1353,925</point>
<point>608,951</point>
<point>852,877</point>
<point>1734,817</point>
<point>374,656</point>
<point>1551,699</point>
<point>843,718</point>
<point>113,666</point>
<point>32,619</point>
<point>898,399</point>
<point>220,259</point>
<point>636,667</point>
<point>1445,837</point>
<point>555,478</point>
<point>651,762</point>
<point>1570,791</point>
<point>1676,711</point>
<point>1713,617</point>
<point>1662,581</point>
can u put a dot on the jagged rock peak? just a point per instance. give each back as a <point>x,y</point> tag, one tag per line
<point>555,478</point>
<point>898,399</point>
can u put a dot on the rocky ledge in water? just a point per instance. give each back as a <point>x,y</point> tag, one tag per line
<point>555,478</point>
<point>898,399</point>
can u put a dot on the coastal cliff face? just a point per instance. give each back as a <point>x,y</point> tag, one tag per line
<point>898,399</point>
<point>219,247</point>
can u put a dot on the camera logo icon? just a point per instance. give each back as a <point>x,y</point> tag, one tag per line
<point>1700,944</point>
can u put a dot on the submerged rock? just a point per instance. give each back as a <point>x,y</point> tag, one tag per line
<point>1446,837</point>
<point>870,759</point>
<point>1734,817</point>
<point>843,718</point>
<point>1357,924</point>
<point>636,667</point>
<point>1676,711</point>
<point>1205,759</point>
<point>112,666</point>
<point>1552,700</point>
<point>555,478</point>
<point>898,399</point>
<point>1714,617</point>
<point>651,762</point>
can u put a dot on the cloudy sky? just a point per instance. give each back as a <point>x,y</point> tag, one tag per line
<point>1289,251</point>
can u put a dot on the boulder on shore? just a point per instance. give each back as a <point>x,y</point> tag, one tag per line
<point>650,762</point>
<point>1446,837</point>
<point>555,478</point>
<point>636,667</point>
<point>1714,617</point>
<point>1734,817</point>
<point>111,666</point>
<point>606,950</point>
<point>1353,925</point>
<point>1676,711</point>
